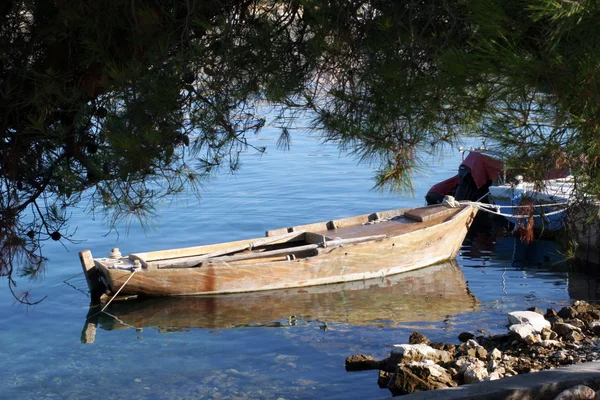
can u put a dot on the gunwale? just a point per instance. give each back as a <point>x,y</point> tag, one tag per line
<point>407,245</point>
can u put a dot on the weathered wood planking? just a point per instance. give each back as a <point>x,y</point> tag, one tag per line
<point>213,248</point>
<point>396,299</point>
<point>425,214</point>
<point>339,223</point>
<point>409,245</point>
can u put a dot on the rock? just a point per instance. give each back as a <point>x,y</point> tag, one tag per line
<point>361,362</point>
<point>402,353</point>
<point>576,322</point>
<point>419,376</point>
<point>585,311</point>
<point>443,346</point>
<point>574,336</point>
<point>563,329</point>
<point>528,317</point>
<point>481,352</point>
<point>468,364</point>
<point>465,336</point>
<point>533,339</point>
<point>579,392</point>
<point>474,375</point>
<point>418,338</point>
<point>522,330</point>
<point>567,313</point>
<point>548,334</point>
<point>473,349</point>
<point>463,362</point>
<point>383,380</point>
<point>495,354</point>
<point>492,376</point>
<point>594,326</point>
<point>536,310</point>
<point>560,355</point>
<point>550,343</point>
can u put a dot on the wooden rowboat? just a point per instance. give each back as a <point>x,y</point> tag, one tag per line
<point>348,249</point>
<point>426,295</point>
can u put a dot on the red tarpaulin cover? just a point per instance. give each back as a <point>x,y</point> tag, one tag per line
<point>444,187</point>
<point>483,168</point>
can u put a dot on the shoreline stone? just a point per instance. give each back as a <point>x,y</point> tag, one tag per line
<point>569,336</point>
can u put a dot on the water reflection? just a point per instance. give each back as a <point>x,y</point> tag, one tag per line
<point>492,235</point>
<point>428,294</point>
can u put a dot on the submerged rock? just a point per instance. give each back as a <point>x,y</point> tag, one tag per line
<point>465,336</point>
<point>418,338</point>
<point>361,362</point>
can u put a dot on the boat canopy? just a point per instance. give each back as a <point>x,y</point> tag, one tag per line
<point>483,168</point>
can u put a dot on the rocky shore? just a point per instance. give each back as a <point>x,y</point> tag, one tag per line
<point>535,341</point>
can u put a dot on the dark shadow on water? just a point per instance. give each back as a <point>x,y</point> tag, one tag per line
<point>492,234</point>
<point>490,239</point>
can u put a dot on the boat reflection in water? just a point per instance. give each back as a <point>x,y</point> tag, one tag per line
<point>428,294</point>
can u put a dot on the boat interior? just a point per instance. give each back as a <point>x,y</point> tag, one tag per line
<point>303,240</point>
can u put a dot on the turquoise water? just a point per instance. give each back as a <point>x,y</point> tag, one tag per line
<point>296,354</point>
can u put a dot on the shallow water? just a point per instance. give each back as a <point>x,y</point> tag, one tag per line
<point>273,345</point>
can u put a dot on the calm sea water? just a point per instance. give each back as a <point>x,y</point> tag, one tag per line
<point>273,346</point>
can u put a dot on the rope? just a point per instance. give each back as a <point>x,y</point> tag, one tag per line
<point>119,320</point>
<point>566,203</point>
<point>137,267</point>
<point>74,276</point>
<point>495,209</point>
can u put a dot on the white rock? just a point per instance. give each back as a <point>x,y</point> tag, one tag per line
<point>419,352</point>
<point>495,354</point>
<point>492,376</point>
<point>475,375</point>
<point>522,330</point>
<point>468,365</point>
<point>528,317</point>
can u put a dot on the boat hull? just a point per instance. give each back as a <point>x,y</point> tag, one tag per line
<point>420,246</point>
<point>507,198</point>
<point>385,302</point>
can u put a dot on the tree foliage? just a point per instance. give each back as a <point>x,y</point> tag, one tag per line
<point>117,105</point>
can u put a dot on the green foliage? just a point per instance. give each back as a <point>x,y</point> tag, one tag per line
<point>117,107</point>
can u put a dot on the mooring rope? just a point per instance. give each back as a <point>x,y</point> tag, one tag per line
<point>74,276</point>
<point>137,267</point>
<point>495,209</point>
<point>449,201</point>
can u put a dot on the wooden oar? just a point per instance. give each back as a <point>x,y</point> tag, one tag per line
<point>186,262</point>
<point>341,242</point>
<point>287,251</point>
<point>264,254</point>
